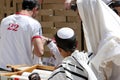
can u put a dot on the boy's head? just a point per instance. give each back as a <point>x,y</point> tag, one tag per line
<point>66,39</point>
<point>30,4</point>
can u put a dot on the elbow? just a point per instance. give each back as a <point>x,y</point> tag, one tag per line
<point>39,53</point>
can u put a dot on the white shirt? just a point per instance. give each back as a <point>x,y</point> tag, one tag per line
<point>17,32</point>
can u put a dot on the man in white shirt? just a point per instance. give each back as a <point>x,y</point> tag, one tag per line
<point>20,37</point>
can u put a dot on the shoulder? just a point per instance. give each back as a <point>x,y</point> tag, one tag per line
<point>70,64</point>
<point>28,19</point>
<point>7,18</point>
<point>80,56</point>
<point>72,69</point>
<point>33,21</point>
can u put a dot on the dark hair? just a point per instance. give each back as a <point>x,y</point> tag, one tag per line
<point>114,4</point>
<point>66,44</point>
<point>30,4</point>
<point>74,6</point>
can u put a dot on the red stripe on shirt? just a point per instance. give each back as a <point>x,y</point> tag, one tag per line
<point>18,13</point>
<point>36,37</point>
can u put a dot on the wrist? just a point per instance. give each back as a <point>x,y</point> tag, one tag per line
<point>48,41</point>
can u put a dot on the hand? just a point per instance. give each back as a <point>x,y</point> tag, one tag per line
<point>46,40</point>
<point>67,4</point>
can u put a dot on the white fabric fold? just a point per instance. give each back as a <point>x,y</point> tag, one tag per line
<point>102,33</point>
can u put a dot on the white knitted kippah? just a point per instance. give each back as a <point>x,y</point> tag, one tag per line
<point>65,33</point>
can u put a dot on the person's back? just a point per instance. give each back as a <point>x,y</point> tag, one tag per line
<point>70,68</point>
<point>17,33</point>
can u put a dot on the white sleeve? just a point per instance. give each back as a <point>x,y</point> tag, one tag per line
<point>37,29</point>
<point>53,48</point>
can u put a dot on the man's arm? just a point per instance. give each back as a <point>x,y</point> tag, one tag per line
<point>38,47</point>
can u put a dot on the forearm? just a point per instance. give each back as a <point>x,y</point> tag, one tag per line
<point>38,47</point>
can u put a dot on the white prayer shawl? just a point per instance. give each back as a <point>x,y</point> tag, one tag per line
<point>74,67</point>
<point>83,59</point>
<point>102,33</point>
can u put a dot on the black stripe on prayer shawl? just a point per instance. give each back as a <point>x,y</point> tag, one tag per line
<point>56,74</point>
<point>82,69</point>
<point>76,74</point>
<point>68,77</point>
<point>59,72</point>
<point>77,61</point>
